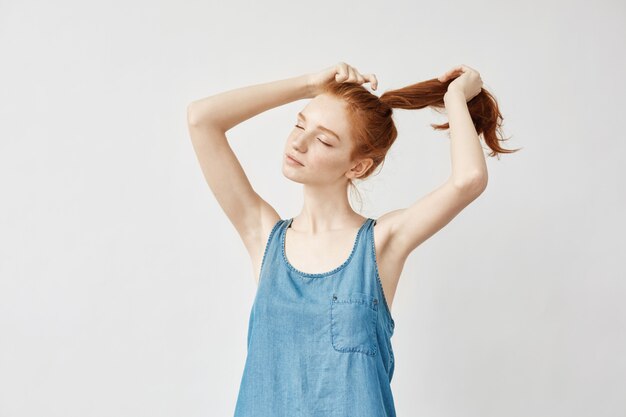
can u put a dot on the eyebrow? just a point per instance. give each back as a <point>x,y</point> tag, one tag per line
<point>322,128</point>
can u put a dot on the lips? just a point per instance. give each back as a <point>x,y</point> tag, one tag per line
<point>291,157</point>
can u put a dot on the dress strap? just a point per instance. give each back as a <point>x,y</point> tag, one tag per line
<point>371,249</point>
<point>272,240</point>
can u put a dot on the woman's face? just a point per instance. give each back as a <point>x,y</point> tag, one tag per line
<point>324,156</point>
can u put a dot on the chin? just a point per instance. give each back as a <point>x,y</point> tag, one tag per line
<point>289,175</point>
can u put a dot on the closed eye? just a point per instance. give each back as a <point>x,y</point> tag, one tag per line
<point>300,127</point>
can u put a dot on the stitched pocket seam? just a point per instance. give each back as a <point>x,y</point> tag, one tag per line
<point>360,301</point>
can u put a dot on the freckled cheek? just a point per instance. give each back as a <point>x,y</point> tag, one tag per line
<point>317,158</point>
<point>324,163</point>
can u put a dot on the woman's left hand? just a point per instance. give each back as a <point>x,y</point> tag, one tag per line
<point>467,82</point>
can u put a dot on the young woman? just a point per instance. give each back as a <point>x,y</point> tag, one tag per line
<point>319,334</point>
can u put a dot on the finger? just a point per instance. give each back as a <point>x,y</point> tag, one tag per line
<point>352,76</point>
<point>457,69</point>
<point>359,77</point>
<point>454,73</point>
<point>470,69</point>
<point>373,81</point>
<point>449,73</point>
<point>342,71</point>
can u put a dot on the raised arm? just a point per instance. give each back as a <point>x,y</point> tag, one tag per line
<point>208,121</point>
<point>411,226</point>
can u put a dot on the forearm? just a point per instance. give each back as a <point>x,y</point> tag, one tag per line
<point>468,162</point>
<point>229,108</point>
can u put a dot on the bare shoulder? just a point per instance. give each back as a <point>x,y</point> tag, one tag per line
<point>384,229</point>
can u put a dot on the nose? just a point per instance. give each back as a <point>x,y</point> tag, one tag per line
<point>297,147</point>
<point>299,143</point>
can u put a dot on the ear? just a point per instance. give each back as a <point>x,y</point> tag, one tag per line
<point>360,168</point>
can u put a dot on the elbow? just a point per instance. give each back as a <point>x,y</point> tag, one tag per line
<point>192,120</point>
<point>201,113</point>
<point>472,184</point>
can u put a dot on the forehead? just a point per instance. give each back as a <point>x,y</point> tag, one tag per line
<point>329,112</point>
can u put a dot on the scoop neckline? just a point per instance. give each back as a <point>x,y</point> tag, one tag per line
<point>320,274</point>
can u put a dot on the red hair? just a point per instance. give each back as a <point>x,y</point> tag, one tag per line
<point>373,129</point>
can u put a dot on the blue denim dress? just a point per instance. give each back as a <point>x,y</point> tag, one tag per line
<point>319,344</point>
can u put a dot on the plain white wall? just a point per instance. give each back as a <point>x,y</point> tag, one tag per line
<point>125,291</point>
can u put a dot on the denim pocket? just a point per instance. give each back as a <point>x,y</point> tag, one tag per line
<point>353,318</point>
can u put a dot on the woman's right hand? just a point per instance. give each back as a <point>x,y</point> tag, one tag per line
<point>340,72</point>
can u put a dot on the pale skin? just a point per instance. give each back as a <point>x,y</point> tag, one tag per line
<point>322,235</point>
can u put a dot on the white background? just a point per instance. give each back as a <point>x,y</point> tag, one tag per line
<point>125,291</point>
